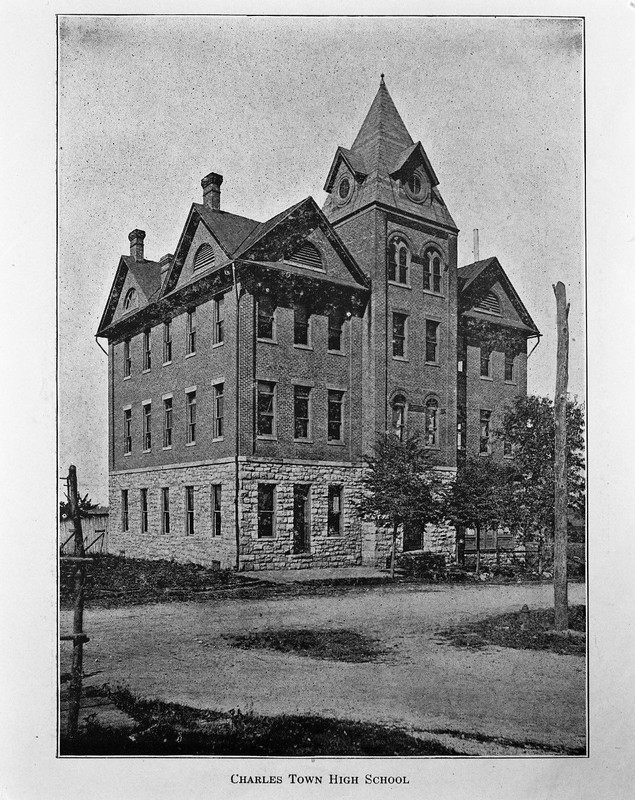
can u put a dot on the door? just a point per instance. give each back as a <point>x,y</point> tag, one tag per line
<point>412,537</point>
<point>301,518</point>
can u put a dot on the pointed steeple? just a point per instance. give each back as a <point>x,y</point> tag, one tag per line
<point>383,135</point>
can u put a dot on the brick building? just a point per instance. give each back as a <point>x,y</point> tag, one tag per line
<point>251,370</point>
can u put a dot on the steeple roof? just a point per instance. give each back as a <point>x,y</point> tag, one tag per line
<point>383,135</point>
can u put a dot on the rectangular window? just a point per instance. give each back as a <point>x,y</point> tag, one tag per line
<point>127,360</point>
<point>336,323</point>
<point>144,510</point>
<point>266,510</point>
<point>190,417</point>
<point>147,426</point>
<point>399,335</point>
<point>301,412</point>
<point>301,326</point>
<point>190,346</point>
<point>167,342</point>
<point>147,351</point>
<point>216,509</point>
<point>127,430</point>
<point>432,341</point>
<point>125,519</point>
<point>189,511</point>
<point>266,408</point>
<point>266,325</point>
<point>460,429</point>
<point>165,510</point>
<point>335,415</point>
<point>167,422</point>
<point>219,410</point>
<point>219,320</point>
<point>509,367</point>
<point>301,518</point>
<point>486,365</point>
<point>485,445</point>
<point>334,525</point>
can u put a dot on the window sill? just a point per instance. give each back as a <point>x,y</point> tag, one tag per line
<point>303,441</point>
<point>218,439</point>
<point>511,383</point>
<point>336,444</point>
<point>400,358</point>
<point>432,447</point>
<point>266,341</point>
<point>486,378</point>
<point>303,346</point>
<point>401,285</point>
<point>125,455</point>
<point>485,455</point>
<point>167,363</point>
<point>147,451</point>
<point>143,371</point>
<point>267,437</point>
<point>167,447</point>
<point>190,444</point>
<point>127,377</point>
<point>432,364</point>
<point>217,344</point>
<point>339,353</point>
<point>434,294</point>
<point>190,355</point>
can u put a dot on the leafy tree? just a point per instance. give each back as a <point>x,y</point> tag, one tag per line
<point>85,504</point>
<point>480,497</point>
<point>401,487</point>
<point>529,427</point>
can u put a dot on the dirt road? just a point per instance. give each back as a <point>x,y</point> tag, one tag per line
<point>176,652</point>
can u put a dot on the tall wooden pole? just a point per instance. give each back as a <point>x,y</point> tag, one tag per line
<point>561,605</point>
<point>75,688</point>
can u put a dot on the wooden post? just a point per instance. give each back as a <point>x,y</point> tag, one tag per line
<point>393,553</point>
<point>561,607</point>
<point>75,688</point>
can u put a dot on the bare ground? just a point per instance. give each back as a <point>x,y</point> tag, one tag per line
<point>182,652</point>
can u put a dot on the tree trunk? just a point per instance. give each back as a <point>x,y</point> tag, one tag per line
<point>561,607</point>
<point>75,687</point>
<point>478,549</point>
<point>393,553</point>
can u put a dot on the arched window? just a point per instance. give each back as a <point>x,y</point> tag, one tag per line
<point>432,271</point>
<point>204,257</point>
<point>131,300</point>
<point>431,434</point>
<point>308,256</point>
<point>490,304</point>
<point>398,260</point>
<point>399,406</point>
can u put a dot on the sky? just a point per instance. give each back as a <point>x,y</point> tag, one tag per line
<point>149,105</point>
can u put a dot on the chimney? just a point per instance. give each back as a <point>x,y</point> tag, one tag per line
<point>165,262</point>
<point>211,190</point>
<point>475,244</point>
<point>136,244</point>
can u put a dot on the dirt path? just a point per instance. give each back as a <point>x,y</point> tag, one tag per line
<point>176,652</point>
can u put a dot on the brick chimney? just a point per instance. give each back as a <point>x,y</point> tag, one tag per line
<point>165,262</point>
<point>136,238</point>
<point>211,190</point>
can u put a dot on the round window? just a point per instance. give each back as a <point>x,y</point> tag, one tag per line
<point>344,188</point>
<point>414,183</point>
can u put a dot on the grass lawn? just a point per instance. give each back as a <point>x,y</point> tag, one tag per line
<point>335,645</point>
<point>171,729</point>
<point>525,630</point>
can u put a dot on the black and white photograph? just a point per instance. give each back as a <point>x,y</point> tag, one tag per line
<point>322,308</point>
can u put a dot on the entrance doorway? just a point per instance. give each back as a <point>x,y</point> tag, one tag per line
<point>301,518</point>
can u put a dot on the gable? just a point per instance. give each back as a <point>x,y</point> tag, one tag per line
<point>279,239</point>
<point>201,254</point>
<point>132,284</point>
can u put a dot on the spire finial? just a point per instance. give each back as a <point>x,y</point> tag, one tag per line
<point>381,82</point>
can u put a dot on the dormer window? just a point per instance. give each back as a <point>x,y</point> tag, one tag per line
<point>432,271</point>
<point>414,183</point>
<point>416,186</point>
<point>204,257</point>
<point>131,300</point>
<point>398,260</point>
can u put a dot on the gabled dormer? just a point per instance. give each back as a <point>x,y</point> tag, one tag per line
<point>384,166</point>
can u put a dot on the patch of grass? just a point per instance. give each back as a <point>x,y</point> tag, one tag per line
<point>171,729</point>
<point>333,645</point>
<point>522,630</point>
<point>506,742</point>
